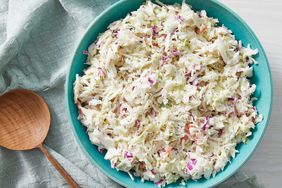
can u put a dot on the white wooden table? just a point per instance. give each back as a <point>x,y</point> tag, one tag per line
<point>265,19</point>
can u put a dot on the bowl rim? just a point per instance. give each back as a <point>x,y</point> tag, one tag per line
<point>76,50</point>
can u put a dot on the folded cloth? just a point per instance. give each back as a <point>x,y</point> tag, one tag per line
<point>37,39</point>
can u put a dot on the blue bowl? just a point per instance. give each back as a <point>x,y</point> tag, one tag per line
<point>262,78</point>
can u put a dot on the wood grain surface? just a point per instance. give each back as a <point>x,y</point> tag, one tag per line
<point>24,120</point>
<point>265,19</point>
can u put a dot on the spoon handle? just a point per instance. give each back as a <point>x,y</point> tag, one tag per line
<point>60,169</point>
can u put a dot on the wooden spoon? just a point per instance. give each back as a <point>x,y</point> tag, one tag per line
<point>24,124</point>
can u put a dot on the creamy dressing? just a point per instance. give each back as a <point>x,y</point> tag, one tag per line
<point>166,94</point>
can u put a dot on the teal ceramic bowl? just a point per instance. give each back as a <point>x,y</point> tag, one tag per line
<point>262,78</point>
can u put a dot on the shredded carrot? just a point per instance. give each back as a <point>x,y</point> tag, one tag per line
<point>202,30</point>
<point>142,166</point>
<point>187,127</point>
<point>168,150</point>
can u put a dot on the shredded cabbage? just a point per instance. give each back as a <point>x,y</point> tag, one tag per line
<point>166,94</point>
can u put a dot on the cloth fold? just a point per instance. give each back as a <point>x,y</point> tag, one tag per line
<point>37,40</point>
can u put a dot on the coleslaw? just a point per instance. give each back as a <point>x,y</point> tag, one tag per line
<point>167,94</point>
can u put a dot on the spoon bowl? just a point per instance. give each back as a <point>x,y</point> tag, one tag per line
<point>24,124</point>
<point>24,120</point>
